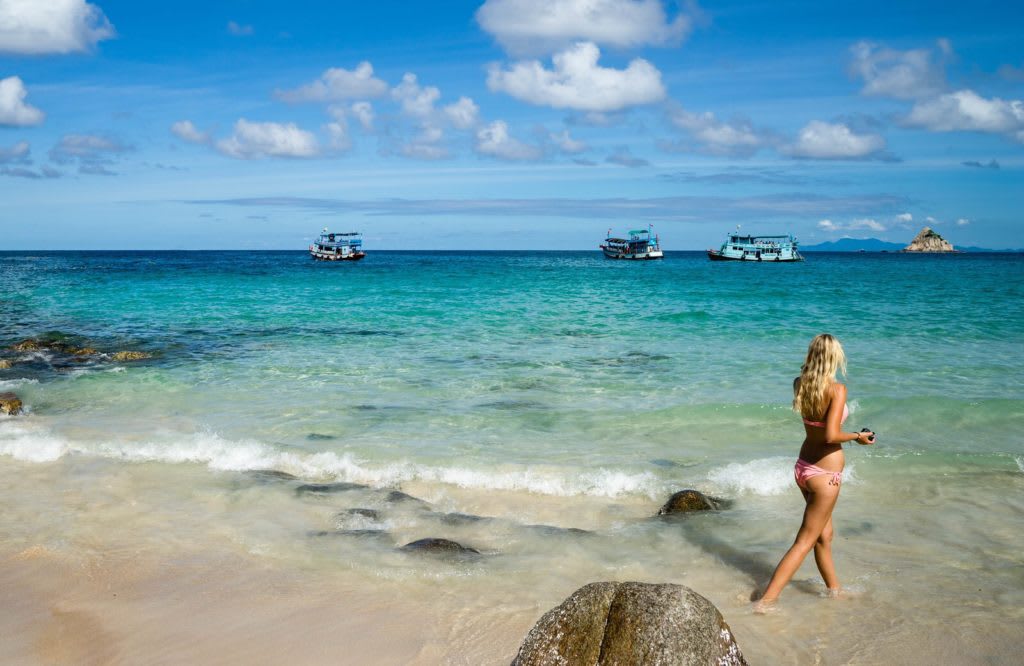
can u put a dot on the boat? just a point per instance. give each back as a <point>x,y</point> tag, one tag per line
<point>640,245</point>
<point>740,247</point>
<point>338,246</point>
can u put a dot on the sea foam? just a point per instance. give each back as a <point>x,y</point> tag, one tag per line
<point>35,444</point>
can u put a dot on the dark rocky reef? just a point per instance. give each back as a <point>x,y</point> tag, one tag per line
<point>631,624</point>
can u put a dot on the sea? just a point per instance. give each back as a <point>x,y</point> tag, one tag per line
<point>537,407</point>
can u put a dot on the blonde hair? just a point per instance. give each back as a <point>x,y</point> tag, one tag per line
<point>812,394</point>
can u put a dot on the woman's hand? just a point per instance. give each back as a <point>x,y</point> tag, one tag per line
<point>866,438</point>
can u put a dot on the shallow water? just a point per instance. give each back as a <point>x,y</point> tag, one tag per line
<point>537,393</point>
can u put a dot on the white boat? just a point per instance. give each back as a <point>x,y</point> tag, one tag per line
<point>756,248</point>
<point>640,245</point>
<point>338,247</point>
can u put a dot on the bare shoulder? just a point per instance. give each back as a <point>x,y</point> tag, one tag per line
<point>839,391</point>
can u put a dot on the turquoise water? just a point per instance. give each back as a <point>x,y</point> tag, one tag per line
<point>551,377</point>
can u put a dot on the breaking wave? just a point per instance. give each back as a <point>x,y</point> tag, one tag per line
<point>217,453</point>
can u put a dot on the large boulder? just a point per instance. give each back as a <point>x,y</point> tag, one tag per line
<point>10,404</point>
<point>626,624</point>
<point>687,501</point>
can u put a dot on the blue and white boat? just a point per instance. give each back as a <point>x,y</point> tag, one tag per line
<point>337,246</point>
<point>757,248</point>
<point>640,245</point>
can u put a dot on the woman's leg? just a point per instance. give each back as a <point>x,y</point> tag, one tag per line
<point>821,498</point>
<point>823,557</point>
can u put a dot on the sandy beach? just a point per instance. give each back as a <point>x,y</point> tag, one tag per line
<point>151,591</point>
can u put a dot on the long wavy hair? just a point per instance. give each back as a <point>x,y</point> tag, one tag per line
<point>812,394</point>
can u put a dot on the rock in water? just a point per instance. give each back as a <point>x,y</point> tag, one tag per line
<point>131,356</point>
<point>4,364</point>
<point>27,345</point>
<point>439,546</point>
<point>929,241</point>
<point>10,404</point>
<point>639,624</point>
<point>686,501</point>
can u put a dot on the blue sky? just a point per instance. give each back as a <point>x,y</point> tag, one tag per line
<point>507,123</point>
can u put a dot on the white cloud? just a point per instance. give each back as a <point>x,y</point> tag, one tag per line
<point>416,100</point>
<point>544,26</point>
<point>16,154</point>
<point>254,140</point>
<point>624,157</point>
<point>737,138</point>
<point>904,217</point>
<point>427,144</point>
<point>13,109</point>
<point>464,114</point>
<point>494,140</point>
<point>239,30</point>
<point>337,84</point>
<point>854,225</point>
<point>900,74</point>
<point>963,222</point>
<point>578,82</point>
<point>363,111</point>
<point>186,131</point>
<point>34,27</point>
<point>833,141</point>
<point>92,153</point>
<point>965,110</point>
<point>337,130</point>
<point>567,144</point>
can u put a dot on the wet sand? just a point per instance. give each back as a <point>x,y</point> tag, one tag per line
<point>221,610</point>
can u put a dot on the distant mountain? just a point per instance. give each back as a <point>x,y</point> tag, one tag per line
<point>875,245</point>
<point>853,245</point>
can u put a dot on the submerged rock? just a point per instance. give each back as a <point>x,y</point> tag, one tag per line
<point>439,546</point>
<point>372,514</point>
<point>270,475</point>
<point>84,351</point>
<point>551,530</point>
<point>328,488</point>
<point>398,497</point>
<point>4,364</point>
<point>358,534</point>
<point>631,623</point>
<point>10,404</point>
<point>688,501</point>
<point>929,241</point>
<point>130,356</point>
<point>316,436</point>
<point>461,518</point>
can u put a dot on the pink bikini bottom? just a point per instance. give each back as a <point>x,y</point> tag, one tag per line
<point>805,470</point>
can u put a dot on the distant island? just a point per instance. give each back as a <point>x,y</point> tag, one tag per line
<point>928,240</point>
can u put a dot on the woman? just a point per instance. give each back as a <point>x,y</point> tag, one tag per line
<point>821,400</point>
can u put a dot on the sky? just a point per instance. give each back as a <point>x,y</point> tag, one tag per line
<point>507,124</point>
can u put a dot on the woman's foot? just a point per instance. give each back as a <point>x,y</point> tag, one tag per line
<point>764,606</point>
<point>841,593</point>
